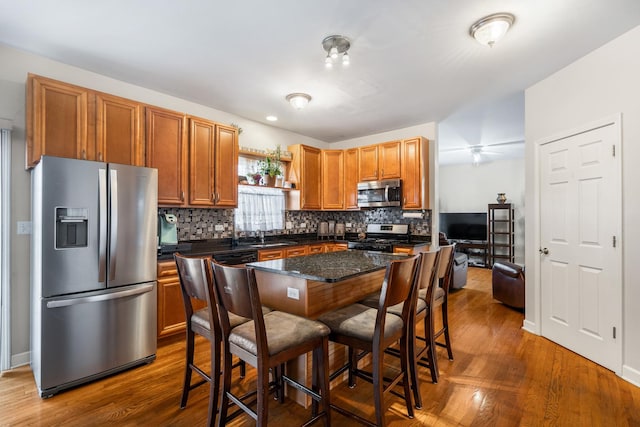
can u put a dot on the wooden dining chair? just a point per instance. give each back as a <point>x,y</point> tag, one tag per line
<point>427,274</point>
<point>196,283</point>
<point>267,341</point>
<point>371,330</point>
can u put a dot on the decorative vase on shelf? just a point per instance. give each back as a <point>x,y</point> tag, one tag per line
<point>269,180</point>
<point>501,198</point>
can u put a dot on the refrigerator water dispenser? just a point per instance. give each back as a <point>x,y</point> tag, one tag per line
<point>71,228</point>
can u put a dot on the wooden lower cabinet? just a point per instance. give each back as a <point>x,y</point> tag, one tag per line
<point>267,254</point>
<point>296,251</point>
<point>336,247</point>
<point>171,318</point>
<point>316,249</point>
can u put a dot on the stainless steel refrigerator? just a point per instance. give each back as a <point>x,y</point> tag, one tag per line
<point>93,270</point>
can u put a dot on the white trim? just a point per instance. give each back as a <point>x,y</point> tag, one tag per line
<point>20,359</point>
<point>616,121</point>
<point>5,247</point>
<point>630,374</point>
<point>529,326</point>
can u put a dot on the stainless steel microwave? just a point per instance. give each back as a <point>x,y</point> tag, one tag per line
<point>373,194</point>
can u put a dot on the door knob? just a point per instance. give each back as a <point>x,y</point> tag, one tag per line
<point>544,251</point>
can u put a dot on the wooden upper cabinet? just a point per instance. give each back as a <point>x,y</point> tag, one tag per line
<point>380,161</point>
<point>305,172</point>
<point>332,179</point>
<point>166,134</point>
<point>226,166</point>
<point>389,160</point>
<point>64,120</point>
<point>415,173</point>
<point>118,130</point>
<point>202,137</point>
<point>57,120</point>
<point>368,163</point>
<point>351,178</point>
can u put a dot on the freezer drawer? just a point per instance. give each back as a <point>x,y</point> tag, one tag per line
<point>91,335</point>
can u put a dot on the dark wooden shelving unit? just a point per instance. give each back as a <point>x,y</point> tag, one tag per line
<point>500,232</point>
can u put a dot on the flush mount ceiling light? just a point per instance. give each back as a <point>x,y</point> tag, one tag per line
<point>298,100</point>
<point>492,28</point>
<point>336,46</point>
<point>476,155</point>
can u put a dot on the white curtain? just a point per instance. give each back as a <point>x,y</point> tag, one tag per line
<point>5,242</point>
<point>259,208</point>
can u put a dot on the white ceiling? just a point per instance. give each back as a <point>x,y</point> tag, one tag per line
<point>412,61</point>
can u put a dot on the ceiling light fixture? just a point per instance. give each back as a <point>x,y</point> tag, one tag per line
<point>492,28</point>
<point>475,154</point>
<point>298,100</point>
<point>336,46</point>
<point>272,118</point>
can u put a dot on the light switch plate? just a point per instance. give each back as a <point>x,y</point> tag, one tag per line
<point>289,225</point>
<point>219,227</point>
<point>303,225</point>
<point>24,227</point>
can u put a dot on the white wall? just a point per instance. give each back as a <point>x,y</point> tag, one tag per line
<point>468,188</point>
<point>601,84</point>
<point>13,74</point>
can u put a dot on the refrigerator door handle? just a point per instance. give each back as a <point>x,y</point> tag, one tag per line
<point>98,298</point>
<point>102,219</point>
<point>113,246</point>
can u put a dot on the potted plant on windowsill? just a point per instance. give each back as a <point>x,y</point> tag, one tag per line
<point>271,166</point>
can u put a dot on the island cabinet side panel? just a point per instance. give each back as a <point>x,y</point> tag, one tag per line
<point>274,288</point>
<point>324,297</point>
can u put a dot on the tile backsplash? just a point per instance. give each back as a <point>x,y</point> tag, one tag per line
<point>205,224</point>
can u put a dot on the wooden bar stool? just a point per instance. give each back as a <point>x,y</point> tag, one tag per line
<point>372,330</point>
<point>196,282</point>
<point>267,341</point>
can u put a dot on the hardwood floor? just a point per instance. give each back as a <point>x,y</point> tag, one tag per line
<point>501,376</point>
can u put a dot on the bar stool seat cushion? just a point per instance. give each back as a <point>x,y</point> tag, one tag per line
<point>359,321</point>
<point>283,330</point>
<point>438,298</point>
<point>201,318</point>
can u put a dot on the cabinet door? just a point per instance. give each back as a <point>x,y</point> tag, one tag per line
<point>226,166</point>
<point>57,121</point>
<point>118,130</point>
<point>332,179</point>
<point>351,178</point>
<point>415,173</point>
<point>368,166</point>
<point>202,136</point>
<point>310,181</point>
<point>166,150</point>
<point>389,160</point>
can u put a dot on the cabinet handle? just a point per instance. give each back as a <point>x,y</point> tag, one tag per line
<point>217,197</point>
<point>84,154</point>
<point>213,197</point>
<point>100,156</point>
<point>382,172</point>
<point>182,196</point>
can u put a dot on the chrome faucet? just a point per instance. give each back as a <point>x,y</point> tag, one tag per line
<point>261,235</point>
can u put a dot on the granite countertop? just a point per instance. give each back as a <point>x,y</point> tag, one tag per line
<point>330,266</point>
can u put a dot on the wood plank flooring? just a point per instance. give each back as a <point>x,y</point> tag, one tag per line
<point>501,376</point>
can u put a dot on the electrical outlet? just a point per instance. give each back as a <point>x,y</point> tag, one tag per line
<point>348,225</point>
<point>289,225</point>
<point>24,227</point>
<point>219,227</point>
<point>303,225</point>
<point>293,293</point>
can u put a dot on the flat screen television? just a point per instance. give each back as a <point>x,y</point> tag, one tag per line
<point>464,225</point>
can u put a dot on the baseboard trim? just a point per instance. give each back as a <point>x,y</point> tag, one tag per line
<point>631,375</point>
<point>529,326</point>
<point>20,359</point>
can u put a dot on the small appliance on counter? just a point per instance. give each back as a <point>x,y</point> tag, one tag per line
<point>167,229</point>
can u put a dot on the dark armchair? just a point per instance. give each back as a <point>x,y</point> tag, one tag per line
<point>508,284</point>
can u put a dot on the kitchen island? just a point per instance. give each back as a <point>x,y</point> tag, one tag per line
<point>314,284</point>
<point>311,285</point>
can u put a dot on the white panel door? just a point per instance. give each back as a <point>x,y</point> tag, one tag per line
<point>580,212</point>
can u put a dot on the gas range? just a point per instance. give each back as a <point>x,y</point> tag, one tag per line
<point>382,237</point>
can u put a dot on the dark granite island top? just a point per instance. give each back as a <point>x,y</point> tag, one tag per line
<point>314,284</point>
<point>329,267</point>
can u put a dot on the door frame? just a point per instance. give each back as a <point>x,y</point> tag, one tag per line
<point>614,120</point>
<point>5,245</point>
